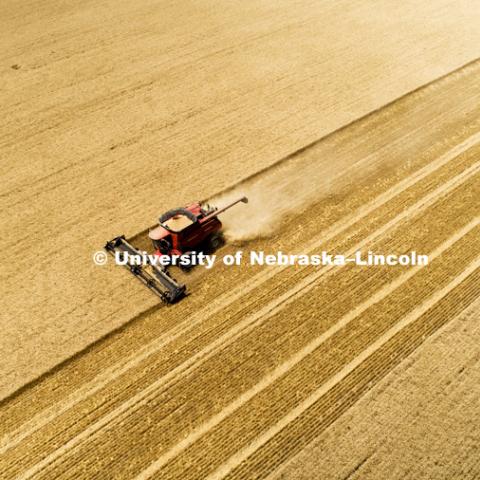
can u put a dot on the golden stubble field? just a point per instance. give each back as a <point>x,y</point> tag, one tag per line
<point>350,125</point>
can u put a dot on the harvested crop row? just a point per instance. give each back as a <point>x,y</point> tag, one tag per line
<point>118,390</point>
<point>329,407</point>
<point>444,207</point>
<point>317,368</point>
<point>453,96</point>
<point>109,103</point>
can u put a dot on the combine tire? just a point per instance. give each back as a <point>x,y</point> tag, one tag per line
<point>216,241</point>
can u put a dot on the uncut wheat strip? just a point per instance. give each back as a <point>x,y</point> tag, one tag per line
<point>248,324</point>
<point>46,416</point>
<point>299,356</point>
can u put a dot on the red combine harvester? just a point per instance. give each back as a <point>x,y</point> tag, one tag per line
<point>181,231</point>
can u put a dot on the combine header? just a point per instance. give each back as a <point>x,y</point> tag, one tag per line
<point>181,231</point>
<point>153,277</point>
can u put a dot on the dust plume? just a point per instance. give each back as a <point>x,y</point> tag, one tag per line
<point>270,199</point>
<point>288,188</point>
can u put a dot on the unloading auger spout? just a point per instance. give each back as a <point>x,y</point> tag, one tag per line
<point>221,210</point>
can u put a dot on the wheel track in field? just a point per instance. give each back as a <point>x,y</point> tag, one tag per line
<point>92,452</point>
<point>344,394</point>
<point>452,184</point>
<point>309,349</point>
<point>396,329</point>
<point>233,428</point>
<point>390,134</point>
<point>94,386</point>
<point>237,459</point>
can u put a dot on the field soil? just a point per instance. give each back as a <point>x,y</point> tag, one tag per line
<point>351,126</point>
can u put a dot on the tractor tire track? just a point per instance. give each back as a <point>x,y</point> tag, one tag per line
<point>241,456</point>
<point>341,396</point>
<point>107,376</point>
<point>276,395</point>
<point>375,121</point>
<point>279,374</point>
<point>283,369</point>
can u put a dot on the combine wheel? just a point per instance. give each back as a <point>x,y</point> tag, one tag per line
<point>216,241</point>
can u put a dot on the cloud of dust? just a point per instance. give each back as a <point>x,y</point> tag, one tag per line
<point>273,195</point>
<point>288,188</point>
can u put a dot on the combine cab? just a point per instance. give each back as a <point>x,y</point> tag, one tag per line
<point>181,231</point>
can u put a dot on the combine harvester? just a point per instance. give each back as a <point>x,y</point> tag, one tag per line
<point>181,231</point>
